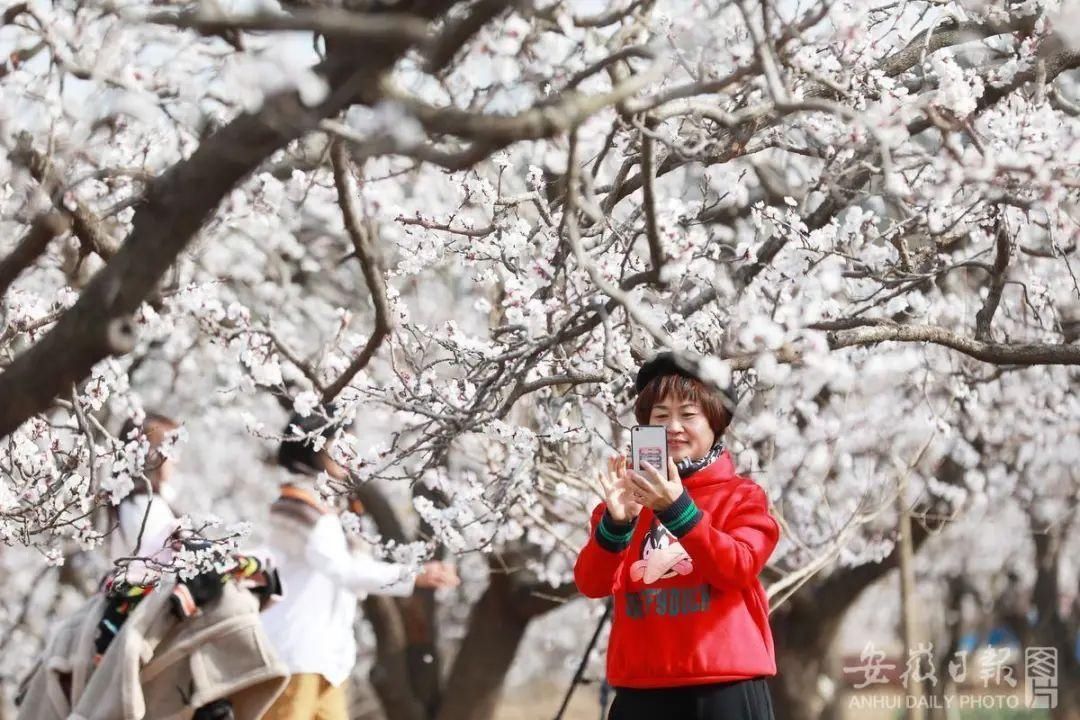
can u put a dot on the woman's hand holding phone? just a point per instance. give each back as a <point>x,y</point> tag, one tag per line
<point>652,489</point>
<point>617,490</point>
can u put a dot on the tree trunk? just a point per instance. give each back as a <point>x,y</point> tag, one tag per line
<point>390,672</point>
<point>496,627</point>
<point>804,630</point>
<point>423,657</point>
<point>1070,673</point>
<point>954,628</point>
<point>806,626</point>
<point>486,653</point>
<point>795,691</point>
<point>909,616</point>
<point>421,623</point>
<point>406,671</point>
<point>1052,630</point>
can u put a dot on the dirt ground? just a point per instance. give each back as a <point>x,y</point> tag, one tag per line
<point>540,701</point>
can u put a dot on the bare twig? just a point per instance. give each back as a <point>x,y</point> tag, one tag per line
<point>524,388</point>
<point>444,227</point>
<point>616,293</point>
<point>291,355</point>
<point>361,235</point>
<point>648,171</point>
<point>88,433</point>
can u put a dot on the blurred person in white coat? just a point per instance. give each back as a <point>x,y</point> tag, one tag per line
<point>312,626</point>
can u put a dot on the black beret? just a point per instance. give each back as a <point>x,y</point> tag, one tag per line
<point>668,363</point>
<point>661,364</point>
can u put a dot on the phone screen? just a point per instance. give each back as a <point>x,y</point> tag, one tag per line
<point>652,455</point>
<point>649,445</point>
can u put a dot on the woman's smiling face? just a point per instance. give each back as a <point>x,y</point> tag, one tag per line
<point>688,431</point>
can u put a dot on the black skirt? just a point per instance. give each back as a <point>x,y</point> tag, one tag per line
<point>736,700</point>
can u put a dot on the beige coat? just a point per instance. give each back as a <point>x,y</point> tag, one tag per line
<point>158,667</point>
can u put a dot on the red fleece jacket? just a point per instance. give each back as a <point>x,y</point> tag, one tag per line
<point>689,608</point>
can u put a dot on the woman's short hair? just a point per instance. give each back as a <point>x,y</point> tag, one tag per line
<point>687,389</point>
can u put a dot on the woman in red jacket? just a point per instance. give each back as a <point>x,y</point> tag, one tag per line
<point>680,550</point>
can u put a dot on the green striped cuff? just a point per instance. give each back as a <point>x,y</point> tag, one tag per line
<point>613,536</point>
<point>681,517</point>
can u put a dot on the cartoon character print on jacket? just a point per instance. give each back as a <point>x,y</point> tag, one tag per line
<point>661,557</point>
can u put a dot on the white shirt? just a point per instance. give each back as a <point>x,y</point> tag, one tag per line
<point>160,524</point>
<point>312,626</point>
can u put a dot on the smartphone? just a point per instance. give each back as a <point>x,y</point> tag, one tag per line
<point>648,443</point>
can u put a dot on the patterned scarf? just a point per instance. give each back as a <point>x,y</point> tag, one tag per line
<point>187,597</point>
<point>689,466</point>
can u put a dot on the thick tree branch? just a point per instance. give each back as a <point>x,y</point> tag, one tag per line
<point>86,225</point>
<point>496,627</point>
<point>13,12</point>
<point>949,34</point>
<point>458,31</point>
<point>177,204</point>
<point>989,352</point>
<point>42,230</point>
<point>488,133</point>
<point>329,21</point>
<point>362,236</point>
<point>1057,59</point>
<point>648,170</point>
<point>449,159</point>
<point>19,57</point>
<point>553,118</point>
<point>609,17</point>
<point>985,316</point>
